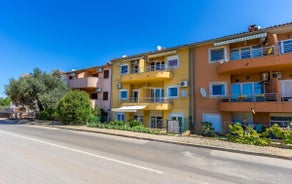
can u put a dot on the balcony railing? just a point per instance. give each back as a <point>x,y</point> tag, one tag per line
<point>264,97</point>
<point>160,67</point>
<point>285,46</point>
<point>147,100</point>
<point>237,54</point>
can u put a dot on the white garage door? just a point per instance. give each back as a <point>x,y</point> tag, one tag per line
<point>215,119</point>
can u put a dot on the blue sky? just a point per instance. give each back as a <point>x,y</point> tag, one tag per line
<point>67,34</point>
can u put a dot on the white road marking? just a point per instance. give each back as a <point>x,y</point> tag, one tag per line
<point>84,152</point>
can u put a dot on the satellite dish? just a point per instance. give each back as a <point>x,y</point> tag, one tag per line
<point>184,93</point>
<point>203,92</point>
<point>159,47</point>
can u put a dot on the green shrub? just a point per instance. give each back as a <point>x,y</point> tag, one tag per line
<point>279,133</point>
<point>134,123</point>
<point>48,114</point>
<point>245,136</point>
<point>74,108</point>
<point>208,130</point>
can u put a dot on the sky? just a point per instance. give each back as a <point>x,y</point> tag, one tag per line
<point>76,34</point>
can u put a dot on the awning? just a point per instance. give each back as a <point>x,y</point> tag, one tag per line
<point>251,37</point>
<point>128,108</point>
<point>167,53</point>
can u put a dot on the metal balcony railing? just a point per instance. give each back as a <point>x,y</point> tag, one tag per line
<point>147,100</point>
<point>161,67</point>
<point>237,54</point>
<point>264,97</point>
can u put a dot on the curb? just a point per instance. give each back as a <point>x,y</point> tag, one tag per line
<point>180,143</point>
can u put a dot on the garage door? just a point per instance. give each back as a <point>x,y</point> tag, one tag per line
<point>215,119</point>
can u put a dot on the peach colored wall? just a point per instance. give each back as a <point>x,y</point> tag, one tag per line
<point>204,74</point>
<point>285,36</point>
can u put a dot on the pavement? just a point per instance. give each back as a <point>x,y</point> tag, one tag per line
<point>47,154</point>
<point>192,140</point>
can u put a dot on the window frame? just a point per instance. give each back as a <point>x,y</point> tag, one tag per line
<point>169,58</point>
<point>104,74</point>
<point>217,48</point>
<point>121,69</point>
<point>120,94</point>
<point>173,97</point>
<point>218,83</point>
<point>103,95</point>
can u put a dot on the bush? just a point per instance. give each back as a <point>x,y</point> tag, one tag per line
<point>74,108</point>
<point>279,133</point>
<point>208,130</point>
<point>134,123</point>
<point>245,136</point>
<point>48,114</point>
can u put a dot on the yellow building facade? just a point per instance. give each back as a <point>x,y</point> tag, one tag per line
<point>152,88</point>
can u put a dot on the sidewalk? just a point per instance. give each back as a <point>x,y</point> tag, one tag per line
<point>193,140</point>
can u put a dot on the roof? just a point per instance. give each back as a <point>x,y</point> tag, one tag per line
<point>193,44</point>
<point>85,69</point>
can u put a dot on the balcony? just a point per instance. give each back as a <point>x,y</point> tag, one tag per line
<point>82,83</point>
<point>148,74</point>
<point>150,103</point>
<point>256,60</point>
<point>266,102</point>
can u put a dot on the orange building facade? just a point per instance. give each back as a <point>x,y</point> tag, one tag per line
<point>247,75</point>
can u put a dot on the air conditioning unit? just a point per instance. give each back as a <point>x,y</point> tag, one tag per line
<point>99,90</point>
<point>119,85</point>
<point>277,75</point>
<point>99,69</point>
<point>265,76</point>
<point>183,83</point>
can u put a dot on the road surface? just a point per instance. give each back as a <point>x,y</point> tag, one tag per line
<point>34,155</point>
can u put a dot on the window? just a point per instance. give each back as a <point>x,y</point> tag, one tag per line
<point>120,116</point>
<point>95,75</point>
<point>249,89</point>
<point>217,54</point>
<point>173,61</point>
<point>123,94</point>
<point>172,92</point>
<point>123,69</point>
<point>246,52</point>
<point>156,122</point>
<point>285,46</point>
<point>105,95</point>
<point>106,74</point>
<point>218,89</point>
<point>93,95</point>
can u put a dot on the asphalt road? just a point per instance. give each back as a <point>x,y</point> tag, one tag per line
<point>34,155</point>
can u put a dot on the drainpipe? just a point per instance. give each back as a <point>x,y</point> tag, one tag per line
<point>192,104</point>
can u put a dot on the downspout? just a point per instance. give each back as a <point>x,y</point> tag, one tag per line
<point>111,91</point>
<point>192,104</point>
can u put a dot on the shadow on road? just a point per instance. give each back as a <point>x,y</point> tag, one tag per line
<point>13,122</point>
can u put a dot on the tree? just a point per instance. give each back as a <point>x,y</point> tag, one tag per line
<point>4,102</point>
<point>39,90</point>
<point>74,108</point>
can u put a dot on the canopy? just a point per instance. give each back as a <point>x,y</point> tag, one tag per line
<point>251,37</point>
<point>128,108</point>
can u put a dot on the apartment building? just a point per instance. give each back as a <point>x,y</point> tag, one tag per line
<point>152,87</point>
<point>246,75</point>
<point>96,81</point>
